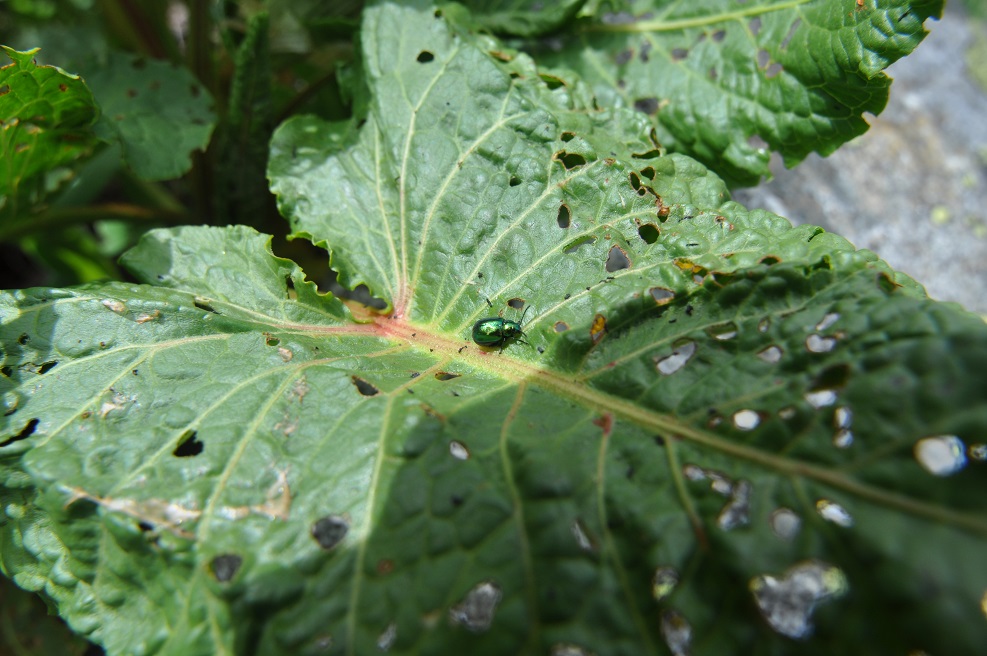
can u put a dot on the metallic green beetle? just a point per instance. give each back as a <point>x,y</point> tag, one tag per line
<point>497,331</point>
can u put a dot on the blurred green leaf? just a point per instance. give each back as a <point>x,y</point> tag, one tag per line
<point>157,112</point>
<point>47,116</point>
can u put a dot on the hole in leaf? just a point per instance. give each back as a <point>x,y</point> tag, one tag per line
<point>827,321</point>
<point>746,420</point>
<point>570,160</point>
<point>661,295</point>
<point>458,450</point>
<point>678,54</point>
<point>188,445</point>
<point>635,181</point>
<point>719,35</point>
<point>757,142</point>
<point>623,57</point>
<point>649,172</point>
<point>363,387</point>
<point>677,632</point>
<point>942,455</point>
<point>271,340</point>
<point>516,303</point>
<point>23,339</point>
<point>575,244</point>
<point>4,90</point>
<point>771,355</point>
<point>224,567</point>
<point>834,512</point>
<point>204,305</point>
<point>439,375</point>
<point>682,352</point>
<point>773,69</point>
<point>723,332</point>
<point>617,260</point>
<point>515,181</point>
<point>785,523</point>
<point>567,136</point>
<point>816,343</point>
<point>787,602</point>
<point>6,370</point>
<point>647,105</point>
<point>553,82</point>
<point>24,433</point>
<point>754,25</point>
<point>476,610</point>
<point>45,367</point>
<point>791,33</point>
<point>330,531</point>
<point>561,326</point>
<point>425,56</point>
<point>763,58</point>
<point>663,582</point>
<point>649,232</point>
<point>563,219</point>
<point>645,51</point>
<point>598,328</point>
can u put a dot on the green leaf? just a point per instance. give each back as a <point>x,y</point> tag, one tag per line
<point>220,460</point>
<point>521,18</point>
<point>157,112</point>
<point>46,116</point>
<point>729,82</point>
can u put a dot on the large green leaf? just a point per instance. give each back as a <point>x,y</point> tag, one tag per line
<point>730,81</point>
<point>712,430</point>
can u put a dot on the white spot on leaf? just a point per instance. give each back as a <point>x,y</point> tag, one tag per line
<point>115,306</point>
<point>582,539</point>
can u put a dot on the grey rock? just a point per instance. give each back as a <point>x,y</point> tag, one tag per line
<point>914,187</point>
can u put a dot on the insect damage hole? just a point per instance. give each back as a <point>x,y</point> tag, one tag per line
<point>330,531</point>
<point>649,232</point>
<point>424,57</point>
<point>25,433</point>
<point>570,160</point>
<point>564,218</point>
<point>617,259</point>
<point>188,445</point>
<point>225,566</point>
<point>516,303</point>
<point>363,387</point>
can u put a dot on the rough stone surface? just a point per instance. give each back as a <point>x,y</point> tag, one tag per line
<point>914,187</point>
